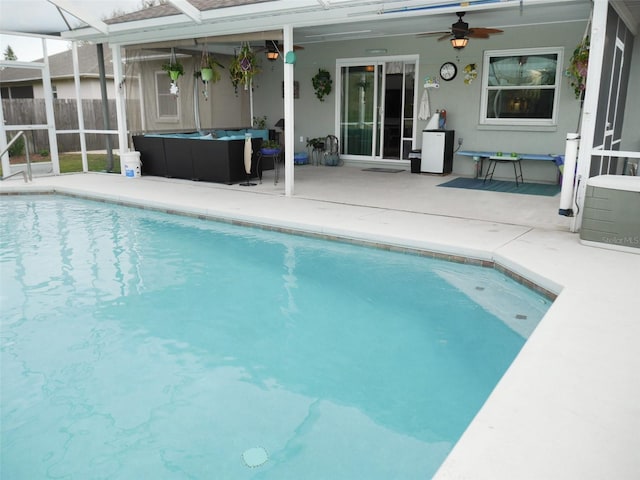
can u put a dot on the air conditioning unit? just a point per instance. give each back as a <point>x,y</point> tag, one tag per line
<point>611,216</point>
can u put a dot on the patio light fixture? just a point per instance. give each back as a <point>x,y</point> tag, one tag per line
<point>459,42</point>
<point>272,50</point>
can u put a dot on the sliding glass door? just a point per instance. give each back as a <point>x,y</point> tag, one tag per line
<point>377,114</point>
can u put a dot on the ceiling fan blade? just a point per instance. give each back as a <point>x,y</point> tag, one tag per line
<point>444,37</point>
<point>298,47</point>
<point>483,30</point>
<point>431,34</point>
<point>478,35</point>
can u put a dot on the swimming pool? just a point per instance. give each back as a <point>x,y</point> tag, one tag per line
<point>137,344</point>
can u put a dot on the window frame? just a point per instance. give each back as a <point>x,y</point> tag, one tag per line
<point>159,74</point>
<point>486,88</point>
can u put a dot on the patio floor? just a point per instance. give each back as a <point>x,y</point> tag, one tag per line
<point>568,407</point>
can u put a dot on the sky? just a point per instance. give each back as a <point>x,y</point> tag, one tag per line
<point>41,16</point>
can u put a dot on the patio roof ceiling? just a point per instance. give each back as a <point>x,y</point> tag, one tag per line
<point>313,21</point>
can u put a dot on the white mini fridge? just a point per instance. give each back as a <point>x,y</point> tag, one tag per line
<point>437,151</point>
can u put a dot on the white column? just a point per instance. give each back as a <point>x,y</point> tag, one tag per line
<point>48,103</point>
<point>6,166</point>
<point>289,129</point>
<point>590,107</point>
<point>80,113</point>
<point>121,111</point>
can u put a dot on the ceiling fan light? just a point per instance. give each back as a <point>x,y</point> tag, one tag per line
<point>272,56</point>
<point>459,43</point>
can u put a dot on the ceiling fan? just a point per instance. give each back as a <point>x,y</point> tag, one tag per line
<point>460,32</point>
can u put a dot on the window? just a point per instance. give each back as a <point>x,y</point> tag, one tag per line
<point>167,102</point>
<point>17,92</point>
<point>520,87</point>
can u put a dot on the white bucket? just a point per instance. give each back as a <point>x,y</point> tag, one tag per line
<point>131,164</point>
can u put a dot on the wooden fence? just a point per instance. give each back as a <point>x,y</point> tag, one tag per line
<point>29,111</point>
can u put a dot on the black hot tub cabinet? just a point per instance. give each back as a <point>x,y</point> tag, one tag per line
<point>192,156</point>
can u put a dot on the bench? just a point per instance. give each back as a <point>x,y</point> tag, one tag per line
<point>480,156</point>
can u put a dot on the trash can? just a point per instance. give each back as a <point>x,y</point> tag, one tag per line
<point>130,164</point>
<point>416,158</point>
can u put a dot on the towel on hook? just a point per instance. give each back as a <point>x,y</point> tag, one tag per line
<point>425,109</point>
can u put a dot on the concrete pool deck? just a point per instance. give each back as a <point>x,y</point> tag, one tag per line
<point>568,407</point>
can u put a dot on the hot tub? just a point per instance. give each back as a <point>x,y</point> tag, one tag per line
<point>611,216</point>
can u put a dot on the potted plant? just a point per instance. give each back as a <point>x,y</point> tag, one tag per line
<point>316,143</point>
<point>578,65</point>
<point>270,147</point>
<point>243,67</point>
<point>322,83</point>
<point>173,67</point>
<point>209,68</point>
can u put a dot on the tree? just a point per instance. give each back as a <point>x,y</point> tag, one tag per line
<point>9,54</point>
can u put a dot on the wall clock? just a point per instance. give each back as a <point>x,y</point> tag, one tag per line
<point>448,71</point>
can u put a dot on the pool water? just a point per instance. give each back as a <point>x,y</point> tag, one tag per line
<point>137,344</point>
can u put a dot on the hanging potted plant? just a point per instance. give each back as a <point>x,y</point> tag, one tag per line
<point>209,68</point>
<point>578,66</point>
<point>173,67</point>
<point>209,71</point>
<point>243,67</point>
<point>174,70</point>
<point>322,84</point>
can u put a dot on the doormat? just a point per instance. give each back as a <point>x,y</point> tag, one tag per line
<point>383,170</point>
<point>503,186</point>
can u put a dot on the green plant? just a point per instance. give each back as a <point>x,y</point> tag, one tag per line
<point>270,144</point>
<point>322,84</point>
<point>260,122</point>
<point>174,69</point>
<point>243,67</point>
<point>578,66</point>
<point>17,148</point>
<point>208,62</point>
<point>315,142</point>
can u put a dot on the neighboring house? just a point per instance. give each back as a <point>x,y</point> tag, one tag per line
<point>27,82</point>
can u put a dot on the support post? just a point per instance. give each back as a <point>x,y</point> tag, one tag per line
<point>79,111</point>
<point>121,110</point>
<point>105,105</point>
<point>590,112</point>
<point>289,130</point>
